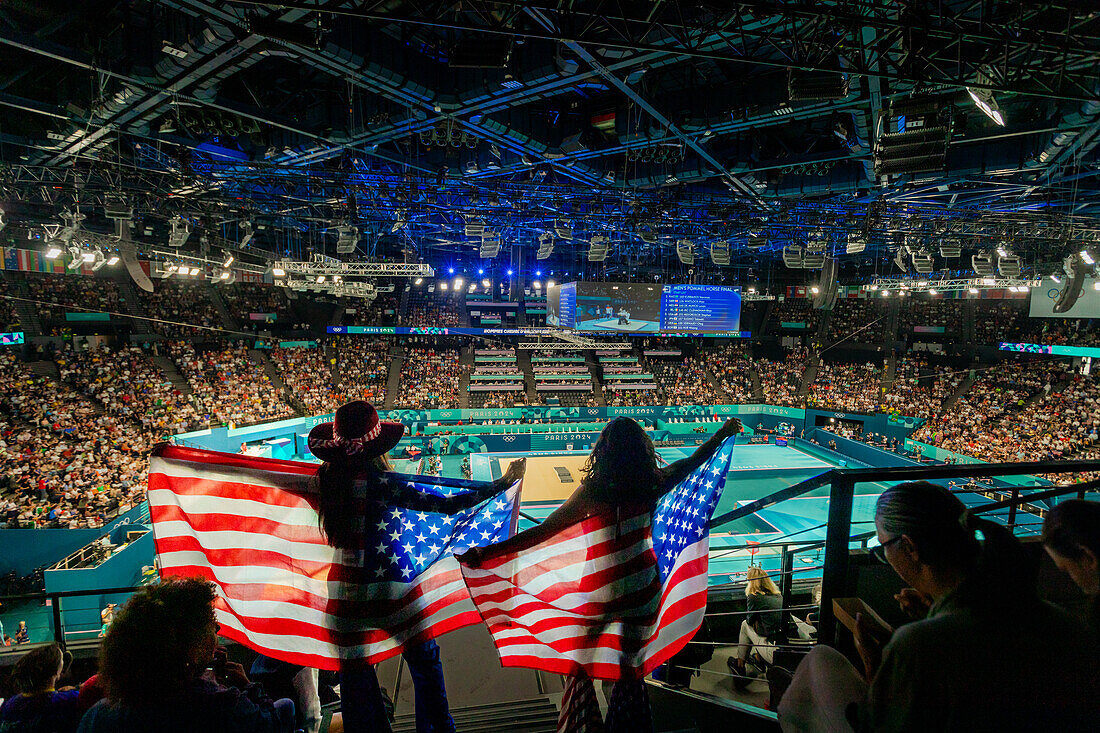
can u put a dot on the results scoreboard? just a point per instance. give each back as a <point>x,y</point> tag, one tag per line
<point>700,308</point>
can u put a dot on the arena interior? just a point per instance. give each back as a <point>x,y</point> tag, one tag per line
<point>868,230</point>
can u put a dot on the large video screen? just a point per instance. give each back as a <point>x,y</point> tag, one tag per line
<point>640,308</point>
<point>618,307</point>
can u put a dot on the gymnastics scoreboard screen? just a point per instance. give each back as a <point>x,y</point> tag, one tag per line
<point>641,308</point>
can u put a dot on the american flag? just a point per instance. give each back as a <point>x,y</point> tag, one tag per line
<point>250,526</point>
<point>606,599</point>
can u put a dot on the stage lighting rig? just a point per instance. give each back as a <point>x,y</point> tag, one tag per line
<point>546,246</point>
<point>792,256</point>
<point>180,231</point>
<point>856,244</point>
<point>490,245</point>
<point>347,238</point>
<point>983,99</point>
<point>720,253</point>
<point>563,230</point>
<point>982,264</point>
<point>598,247</point>
<point>685,252</point>
<point>922,262</point>
<point>950,248</point>
<point>1008,264</point>
<point>246,229</point>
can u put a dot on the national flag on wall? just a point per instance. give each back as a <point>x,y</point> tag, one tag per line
<point>250,525</point>
<point>603,599</point>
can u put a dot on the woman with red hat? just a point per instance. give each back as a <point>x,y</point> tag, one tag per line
<point>354,449</point>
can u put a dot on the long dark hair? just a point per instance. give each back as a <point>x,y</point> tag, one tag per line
<point>944,532</point>
<point>623,463</point>
<point>341,516</point>
<point>148,654</point>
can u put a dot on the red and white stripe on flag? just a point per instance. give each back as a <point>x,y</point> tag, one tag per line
<point>250,526</point>
<point>590,602</point>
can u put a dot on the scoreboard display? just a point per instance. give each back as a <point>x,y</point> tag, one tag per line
<point>640,308</point>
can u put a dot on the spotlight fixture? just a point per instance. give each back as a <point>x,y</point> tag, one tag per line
<point>1057,280</point>
<point>972,291</point>
<point>112,260</point>
<point>194,271</point>
<point>278,272</point>
<point>685,252</point>
<point>228,261</point>
<point>418,280</point>
<point>346,239</point>
<point>549,284</point>
<point>246,227</point>
<point>1008,264</point>
<point>443,286</point>
<point>180,231</point>
<point>1087,258</point>
<point>982,264</point>
<point>983,99</point>
<point>53,252</point>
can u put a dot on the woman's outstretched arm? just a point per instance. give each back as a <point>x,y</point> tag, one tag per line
<point>678,471</point>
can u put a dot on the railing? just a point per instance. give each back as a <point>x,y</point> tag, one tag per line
<point>52,600</point>
<point>838,528</point>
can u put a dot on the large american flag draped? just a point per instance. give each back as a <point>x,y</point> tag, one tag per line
<point>606,599</point>
<point>250,526</point>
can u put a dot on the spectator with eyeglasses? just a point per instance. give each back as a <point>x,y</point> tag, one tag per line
<point>985,654</point>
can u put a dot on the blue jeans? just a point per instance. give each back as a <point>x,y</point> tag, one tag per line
<point>361,697</point>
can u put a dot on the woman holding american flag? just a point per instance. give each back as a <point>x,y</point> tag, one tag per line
<point>607,586</point>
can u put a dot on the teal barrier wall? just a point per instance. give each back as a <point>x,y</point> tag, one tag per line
<point>947,456</point>
<point>80,615</point>
<point>23,550</point>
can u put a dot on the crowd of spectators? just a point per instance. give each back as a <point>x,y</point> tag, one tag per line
<point>945,314</point>
<point>66,464</point>
<point>244,299</point>
<point>438,308</point>
<point>918,389</point>
<point>226,386</point>
<point>1020,411</point>
<point>682,381</point>
<point>999,320</point>
<point>782,380</point>
<point>796,310</point>
<point>859,320</point>
<point>733,367</point>
<point>59,294</point>
<point>129,386</point>
<point>618,397</point>
<point>382,311</point>
<point>9,316</point>
<point>1062,332</point>
<point>429,378</point>
<point>307,373</point>
<point>569,398</point>
<point>488,400</point>
<point>363,366</point>
<point>179,307</point>
<point>848,387</point>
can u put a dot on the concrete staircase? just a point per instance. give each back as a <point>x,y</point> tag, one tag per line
<point>133,306</point>
<point>29,322</point>
<point>523,361</point>
<point>964,387</point>
<point>597,386</point>
<point>889,373</point>
<point>260,359</point>
<point>172,374</point>
<point>227,318</point>
<point>809,375</point>
<point>536,715</point>
<point>46,369</point>
<point>766,320</point>
<point>393,377</point>
<point>893,320</point>
<point>466,360</point>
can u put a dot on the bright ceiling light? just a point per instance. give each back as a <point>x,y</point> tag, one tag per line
<point>549,283</point>
<point>278,272</point>
<point>228,261</point>
<point>459,282</point>
<point>194,271</point>
<point>442,286</point>
<point>1087,257</point>
<point>320,279</point>
<point>1056,279</point>
<point>932,291</point>
<point>87,256</point>
<point>972,291</point>
<point>486,283</point>
<point>53,253</point>
<point>886,293</point>
<point>418,280</point>
<point>536,285</point>
<point>815,290</point>
<point>988,281</point>
<point>983,99</point>
<point>224,275</point>
<point>112,261</point>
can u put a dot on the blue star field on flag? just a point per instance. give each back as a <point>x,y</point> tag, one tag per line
<point>682,516</point>
<point>402,542</point>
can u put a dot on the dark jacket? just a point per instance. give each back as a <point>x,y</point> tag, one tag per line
<point>765,613</point>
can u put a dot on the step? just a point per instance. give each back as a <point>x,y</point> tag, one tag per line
<point>527,716</point>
